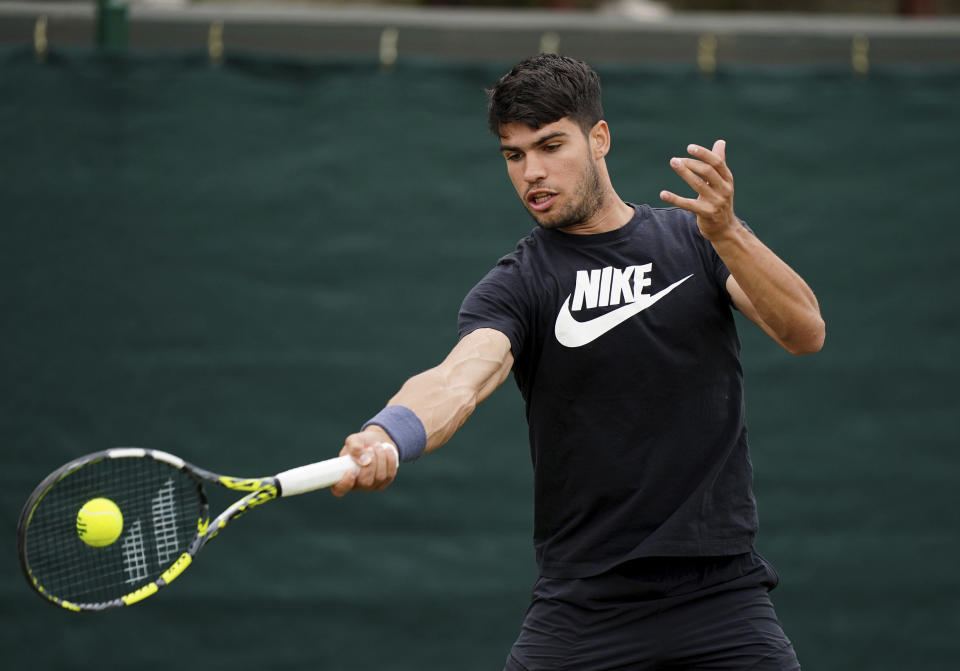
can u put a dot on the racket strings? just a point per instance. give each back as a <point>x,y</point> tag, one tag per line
<point>161,508</point>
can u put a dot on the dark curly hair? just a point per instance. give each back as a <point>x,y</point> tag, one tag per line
<point>543,89</point>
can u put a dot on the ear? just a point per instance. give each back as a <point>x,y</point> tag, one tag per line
<point>599,140</point>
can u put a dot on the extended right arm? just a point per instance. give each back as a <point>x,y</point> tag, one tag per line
<point>442,398</point>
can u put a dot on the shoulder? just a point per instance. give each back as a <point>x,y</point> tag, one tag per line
<point>673,232</point>
<point>508,274</point>
<point>674,225</point>
<point>673,219</point>
<point>522,253</point>
<point>524,261</point>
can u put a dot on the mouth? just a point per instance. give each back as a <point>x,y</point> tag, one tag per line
<point>540,200</point>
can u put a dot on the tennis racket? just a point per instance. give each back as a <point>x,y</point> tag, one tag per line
<point>165,522</point>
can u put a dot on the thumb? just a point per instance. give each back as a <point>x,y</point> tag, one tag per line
<point>360,448</point>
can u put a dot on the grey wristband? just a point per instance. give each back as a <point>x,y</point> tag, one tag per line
<point>404,427</point>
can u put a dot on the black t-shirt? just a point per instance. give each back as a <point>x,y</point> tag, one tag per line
<point>627,357</point>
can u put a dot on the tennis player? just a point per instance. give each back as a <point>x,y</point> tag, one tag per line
<point>616,320</point>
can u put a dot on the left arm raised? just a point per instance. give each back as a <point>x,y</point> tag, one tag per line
<point>762,286</point>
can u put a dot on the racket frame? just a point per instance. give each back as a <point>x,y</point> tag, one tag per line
<point>259,491</point>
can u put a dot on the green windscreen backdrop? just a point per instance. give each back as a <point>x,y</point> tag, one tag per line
<point>240,264</point>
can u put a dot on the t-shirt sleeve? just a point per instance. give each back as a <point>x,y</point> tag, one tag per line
<point>711,259</point>
<point>712,263</point>
<point>497,302</point>
<point>720,270</point>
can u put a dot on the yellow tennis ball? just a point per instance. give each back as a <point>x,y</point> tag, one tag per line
<point>99,522</point>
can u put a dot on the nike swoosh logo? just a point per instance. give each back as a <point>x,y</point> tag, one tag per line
<point>571,333</point>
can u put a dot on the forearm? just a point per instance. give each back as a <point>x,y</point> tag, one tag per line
<point>445,396</point>
<point>441,407</point>
<point>777,298</point>
<point>761,285</point>
<point>441,399</point>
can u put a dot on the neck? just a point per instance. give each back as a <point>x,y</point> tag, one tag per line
<point>613,214</point>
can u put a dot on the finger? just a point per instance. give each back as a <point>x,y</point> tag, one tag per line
<point>702,179</point>
<point>383,464</point>
<point>697,173</point>
<point>363,457</point>
<point>358,449</point>
<point>690,204</point>
<point>720,149</point>
<point>368,469</point>
<point>345,485</point>
<point>376,474</point>
<point>352,447</point>
<point>717,159</point>
<point>387,465</point>
<point>355,446</point>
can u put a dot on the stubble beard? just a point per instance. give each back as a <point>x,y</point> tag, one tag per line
<point>587,201</point>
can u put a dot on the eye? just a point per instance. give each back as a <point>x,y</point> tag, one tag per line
<point>553,146</point>
<point>513,156</point>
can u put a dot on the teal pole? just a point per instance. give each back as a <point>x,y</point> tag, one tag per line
<point>112,28</point>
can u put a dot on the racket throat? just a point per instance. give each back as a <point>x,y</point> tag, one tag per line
<point>209,531</point>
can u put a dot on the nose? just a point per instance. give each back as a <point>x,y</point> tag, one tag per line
<point>534,169</point>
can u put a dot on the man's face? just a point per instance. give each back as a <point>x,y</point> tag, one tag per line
<point>554,172</point>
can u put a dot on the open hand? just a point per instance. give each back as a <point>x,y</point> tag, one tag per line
<point>707,173</point>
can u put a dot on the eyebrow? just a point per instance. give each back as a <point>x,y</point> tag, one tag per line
<point>536,143</point>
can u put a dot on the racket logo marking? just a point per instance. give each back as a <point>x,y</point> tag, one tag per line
<point>134,556</point>
<point>164,511</point>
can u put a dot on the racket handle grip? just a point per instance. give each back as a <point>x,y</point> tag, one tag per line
<point>322,474</point>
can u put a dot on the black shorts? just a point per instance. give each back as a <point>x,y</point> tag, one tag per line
<point>657,613</point>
